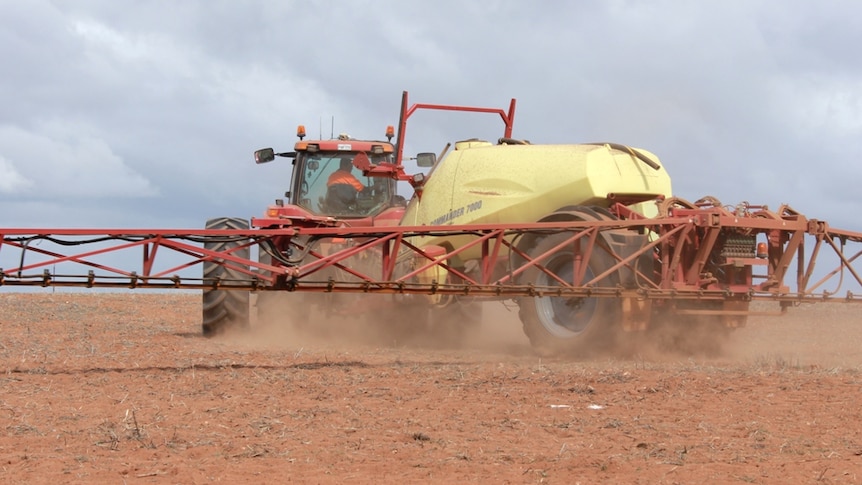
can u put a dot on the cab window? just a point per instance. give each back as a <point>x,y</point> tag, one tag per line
<point>315,177</point>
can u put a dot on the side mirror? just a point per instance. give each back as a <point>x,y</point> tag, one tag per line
<point>426,160</point>
<point>264,155</point>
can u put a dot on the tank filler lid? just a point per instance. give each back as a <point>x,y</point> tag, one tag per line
<point>471,143</point>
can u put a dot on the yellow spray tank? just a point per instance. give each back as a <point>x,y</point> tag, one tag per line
<point>480,182</point>
<point>515,182</point>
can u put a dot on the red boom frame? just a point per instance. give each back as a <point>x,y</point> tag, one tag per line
<point>685,237</point>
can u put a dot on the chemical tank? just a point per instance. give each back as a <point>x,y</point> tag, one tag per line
<point>515,182</point>
<point>480,182</point>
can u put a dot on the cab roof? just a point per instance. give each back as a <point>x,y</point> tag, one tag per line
<point>344,145</point>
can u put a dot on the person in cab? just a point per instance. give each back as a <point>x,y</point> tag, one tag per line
<point>342,187</point>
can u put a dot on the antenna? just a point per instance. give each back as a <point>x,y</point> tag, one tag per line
<point>332,129</point>
<point>320,128</point>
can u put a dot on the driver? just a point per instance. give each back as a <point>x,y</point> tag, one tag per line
<point>343,186</point>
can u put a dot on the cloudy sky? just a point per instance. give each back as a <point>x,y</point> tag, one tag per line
<point>146,113</point>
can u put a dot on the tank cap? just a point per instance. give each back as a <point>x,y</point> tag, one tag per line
<point>471,143</point>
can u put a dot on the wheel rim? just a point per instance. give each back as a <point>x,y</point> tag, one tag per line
<point>562,316</point>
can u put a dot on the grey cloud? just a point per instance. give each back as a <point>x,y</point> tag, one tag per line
<point>60,161</point>
<point>742,100</point>
<point>11,181</point>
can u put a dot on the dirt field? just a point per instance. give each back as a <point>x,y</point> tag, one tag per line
<point>119,388</point>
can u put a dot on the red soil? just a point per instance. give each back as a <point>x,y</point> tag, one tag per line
<point>120,388</point>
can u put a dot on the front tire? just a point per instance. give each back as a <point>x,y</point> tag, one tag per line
<point>225,309</point>
<point>557,325</point>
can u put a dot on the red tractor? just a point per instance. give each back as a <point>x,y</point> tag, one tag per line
<point>337,182</point>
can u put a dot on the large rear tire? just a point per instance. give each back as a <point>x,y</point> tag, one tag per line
<point>564,325</point>
<point>225,309</point>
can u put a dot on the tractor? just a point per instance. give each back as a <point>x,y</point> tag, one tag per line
<point>327,190</point>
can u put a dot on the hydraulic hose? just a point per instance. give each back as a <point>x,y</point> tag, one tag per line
<point>631,151</point>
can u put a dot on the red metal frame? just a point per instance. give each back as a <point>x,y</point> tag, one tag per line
<point>685,237</point>
<point>406,112</point>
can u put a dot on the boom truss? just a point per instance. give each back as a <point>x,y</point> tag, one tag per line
<point>692,247</point>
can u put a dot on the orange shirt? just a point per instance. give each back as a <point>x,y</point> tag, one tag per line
<point>343,177</point>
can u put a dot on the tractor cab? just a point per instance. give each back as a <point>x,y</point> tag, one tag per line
<point>326,182</point>
<point>340,178</point>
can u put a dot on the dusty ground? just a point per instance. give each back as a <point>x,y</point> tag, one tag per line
<point>119,388</point>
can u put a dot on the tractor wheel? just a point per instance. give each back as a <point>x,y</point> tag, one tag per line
<point>557,325</point>
<point>224,309</point>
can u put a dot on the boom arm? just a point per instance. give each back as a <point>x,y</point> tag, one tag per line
<point>684,237</point>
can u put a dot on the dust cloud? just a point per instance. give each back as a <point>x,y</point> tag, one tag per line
<point>820,335</point>
<point>306,320</point>
<point>827,335</point>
